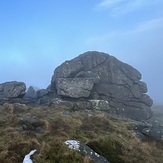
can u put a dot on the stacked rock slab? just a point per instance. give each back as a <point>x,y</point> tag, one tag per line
<point>100,76</point>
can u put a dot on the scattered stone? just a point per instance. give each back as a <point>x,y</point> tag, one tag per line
<point>86,151</point>
<point>149,130</point>
<point>30,124</point>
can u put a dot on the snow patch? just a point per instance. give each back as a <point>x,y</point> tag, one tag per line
<point>73,144</point>
<point>97,154</point>
<point>27,157</point>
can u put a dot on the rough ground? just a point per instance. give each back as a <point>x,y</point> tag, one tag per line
<point>47,128</point>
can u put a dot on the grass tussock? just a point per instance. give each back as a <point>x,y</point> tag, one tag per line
<point>111,137</point>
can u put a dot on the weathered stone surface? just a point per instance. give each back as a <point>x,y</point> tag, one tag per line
<point>42,92</point>
<point>75,88</point>
<point>97,75</point>
<point>82,105</point>
<point>94,105</point>
<point>12,89</point>
<point>138,89</point>
<point>100,105</point>
<point>44,101</point>
<point>151,130</point>
<point>86,151</point>
<point>31,93</point>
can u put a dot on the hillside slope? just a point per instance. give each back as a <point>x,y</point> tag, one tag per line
<point>45,129</point>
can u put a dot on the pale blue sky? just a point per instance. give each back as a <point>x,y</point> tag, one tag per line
<point>38,35</point>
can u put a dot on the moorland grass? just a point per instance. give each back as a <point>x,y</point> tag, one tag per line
<point>109,136</point>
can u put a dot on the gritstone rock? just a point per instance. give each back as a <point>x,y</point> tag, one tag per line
<point>12,89</point>
<point>31,93</point>
<point>100,76</point>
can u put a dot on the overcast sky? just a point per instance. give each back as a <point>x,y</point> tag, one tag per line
<point>38,35</point>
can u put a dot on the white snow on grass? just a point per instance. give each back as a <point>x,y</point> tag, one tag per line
<point>73,144</point>
<point>27,157</point>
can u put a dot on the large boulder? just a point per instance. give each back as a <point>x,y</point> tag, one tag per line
<point>100,76</point>
<point>13,89</point>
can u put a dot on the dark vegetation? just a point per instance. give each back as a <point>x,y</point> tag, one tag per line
<point>111,137</point>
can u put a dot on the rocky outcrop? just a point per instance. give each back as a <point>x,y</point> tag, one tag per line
<point>93,78</point>
<point>11,90</point>
<point>99,76</point>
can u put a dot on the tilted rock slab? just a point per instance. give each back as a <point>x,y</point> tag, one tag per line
<point>86,151</point>
<point>100,76</point>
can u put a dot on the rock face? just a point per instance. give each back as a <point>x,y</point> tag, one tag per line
<point>12,89</point>
<point>99,76</point>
